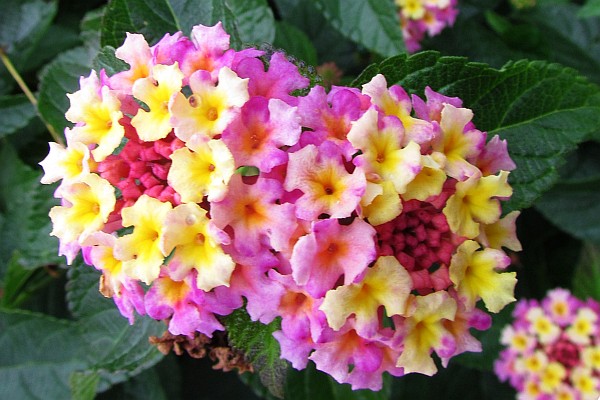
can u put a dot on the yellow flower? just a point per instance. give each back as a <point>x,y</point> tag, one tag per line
<point>69,163</point>
<point>86,207</point>
<point>196,245</point>
<point>475,202</point>
<point>201,169</point>
<point>156,91</point>
<point>424,331</point>
<point>475,275</point>
<point>380,203</point>
<point>95,110</point>
<point>140,250</point>
<point>386,284</point>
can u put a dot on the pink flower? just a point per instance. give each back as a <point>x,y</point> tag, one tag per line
<point>188,308</point>
<point>263,129</point>
<point>326,186</point>
<point>278,82</point>
<point>329,251</point>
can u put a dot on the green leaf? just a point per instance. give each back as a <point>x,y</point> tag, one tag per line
<point>586,282</point>
<point>206,12</point>
<point>152,18</point>
<point>573,204</point>
<point>91,26</point>
<point>262,349</point>
<point>83,295</point>
<point>19,283</point>
<point>117,350</point>
<point>255,21</point>
<point>543,110</point>
<point>23,25</point>
<point>568,40</point>
<point>15,113</point>
<point>25,203</point>
<point>107,60</point>
<point>60,77</point>
<point>83,385</point>
<point>371,23</point>
<point>311,384</point>
<point>38,355</point>
<point>590,9</point>
<point>295,42</point>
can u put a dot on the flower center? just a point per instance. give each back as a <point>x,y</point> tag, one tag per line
<point>565,353</point>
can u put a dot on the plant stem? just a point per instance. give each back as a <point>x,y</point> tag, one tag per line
<point>17,77</point>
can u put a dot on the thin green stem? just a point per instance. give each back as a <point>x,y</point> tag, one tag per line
<point>17,77</point>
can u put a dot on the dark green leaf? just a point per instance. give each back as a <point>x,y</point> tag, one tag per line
<point>573,204</point>
<point>255,21</point>
<point>543,110</point>
<point>60,77</point>
<point>25,204</point>
<point>590,9</point>
<point>38,355</point>
<point>311,384</point>
<point>57,39</point>
<point>372,23</point>
<point>19,282</point>
<point>454,383</point>
<point>23,24</point>
<point>295,42</point>
<point>568,40</point>
<point>83,385</point>
<point>586,282</point>
<point>15,113</point>
<point>107,60</point>
<point>262,349</point>
<point>116,349</point>
<point>91,26</point>
<point>152,18</point>
<point>83,295</point>
<point>145,386</point>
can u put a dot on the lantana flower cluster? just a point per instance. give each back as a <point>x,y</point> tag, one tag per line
<point>370,228</point>
<point>424,17</point>
<point>553,348</point>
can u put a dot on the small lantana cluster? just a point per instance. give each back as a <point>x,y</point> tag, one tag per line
<point>553,348</point>
<point>370,228</point>
<point>421,17</point>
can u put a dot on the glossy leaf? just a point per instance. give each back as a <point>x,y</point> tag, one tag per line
<point>254,20</point>
<point>154,18</point>
<point>311,384</point>
<point>15,113</point>
<point>543,110</point>
<point>23,25</point>
<point>26,226</point>
<point>372,23</point>
<point>295,42</point>
<point>573,204</point>
<point>39,354</point>
<point>116,350</point>
<point>590,9</point>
